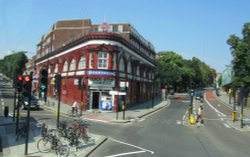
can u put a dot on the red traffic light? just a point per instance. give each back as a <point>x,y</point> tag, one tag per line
<point>19,78</point>
<point>26,78</point>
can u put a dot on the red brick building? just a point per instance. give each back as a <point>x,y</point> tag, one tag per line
<point>106,58</point>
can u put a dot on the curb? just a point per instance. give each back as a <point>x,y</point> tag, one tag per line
<point>101,141</point>
<point>140,116</point>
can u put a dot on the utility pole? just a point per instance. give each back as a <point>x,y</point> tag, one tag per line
<point>242,106</point>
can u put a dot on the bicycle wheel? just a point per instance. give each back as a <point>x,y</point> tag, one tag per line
<point>44,145</point>
<point>63,149</point>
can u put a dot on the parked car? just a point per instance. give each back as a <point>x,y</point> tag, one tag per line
<point>34,103</point>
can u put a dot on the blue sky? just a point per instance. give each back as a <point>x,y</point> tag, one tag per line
<point>191,28</point>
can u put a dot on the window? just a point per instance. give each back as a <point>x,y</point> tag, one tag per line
<point>91,60</point>
<point>129,68</point>
<point>82,63</point>
<point>102,60</point>
<point>65,66</point>
<point>72,65</point>
<point>138,71</point>
<point>56,69</point>
<point>122,65</point>
<point>114,61</point>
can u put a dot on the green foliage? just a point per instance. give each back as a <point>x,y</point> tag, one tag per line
<point>174,71</point>
<point>240,50</point>
<point>13,64</point>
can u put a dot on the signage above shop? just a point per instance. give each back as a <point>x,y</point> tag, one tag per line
<point>101,72</point>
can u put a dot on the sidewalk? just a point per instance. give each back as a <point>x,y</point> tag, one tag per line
<point>12,148</point>
<point>131,113</point>
<point>224,98</point>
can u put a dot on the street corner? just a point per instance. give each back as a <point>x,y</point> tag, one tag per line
<point>99,140</point>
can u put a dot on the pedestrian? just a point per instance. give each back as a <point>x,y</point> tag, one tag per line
<point>74,107</point>
<point>199,115</point>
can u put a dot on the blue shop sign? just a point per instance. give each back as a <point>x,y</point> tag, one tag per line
<point>101,72</point>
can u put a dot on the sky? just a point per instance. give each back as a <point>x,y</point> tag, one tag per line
<point>190,28</point>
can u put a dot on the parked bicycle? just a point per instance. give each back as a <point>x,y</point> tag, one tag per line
<point>49,141</point>
<point>81,130</point>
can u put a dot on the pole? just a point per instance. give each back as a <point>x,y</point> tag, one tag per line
<point>18,114</point>
<point>28,116</point>
<point>14,108</point>
<point>153,93</point>
<point>82,85</point>
<point>58,106</point>
<point>241,104</point>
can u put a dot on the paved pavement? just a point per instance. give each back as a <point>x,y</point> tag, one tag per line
<point>131,113</point>
<point>13,148</point>
<point>223,98</point>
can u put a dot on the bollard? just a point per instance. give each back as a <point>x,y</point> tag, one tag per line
<point>6,111</point>
<point>234,116</point>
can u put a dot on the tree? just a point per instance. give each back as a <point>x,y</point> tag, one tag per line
<point>174,71</point>
<point>240,50</point>
<point>13,64</point>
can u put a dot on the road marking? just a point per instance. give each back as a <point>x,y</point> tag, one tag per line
<point>178,122</point>
<point>146,150</point>
<point>218,112</point>
<point>141,120</point>
<point>98,120</point>
<point>185,101</point>
<point>227,126</point>
<point>122,154</point>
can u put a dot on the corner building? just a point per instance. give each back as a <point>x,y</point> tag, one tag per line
<point>100,64</point>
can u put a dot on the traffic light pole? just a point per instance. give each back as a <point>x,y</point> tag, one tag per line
<point>28,114</point>
<point>17,116</point>
<point>14,108</point>
<point>58,108</point>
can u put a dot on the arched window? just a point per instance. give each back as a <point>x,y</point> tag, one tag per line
<point>56,68</point>
<point>65,66</point>
<point>129,68</point>
<point>122,65</point>
<point>72,65</point>
<point>82,63</point>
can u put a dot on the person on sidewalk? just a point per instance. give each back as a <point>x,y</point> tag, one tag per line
<point>74,107</point>
<point>199,118</point>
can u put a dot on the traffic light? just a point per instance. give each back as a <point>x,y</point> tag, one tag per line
<point>43,80</point>
<point>192,92</point>
<point>26,85</point>
<point>19,83</point>
<point>58,79</point>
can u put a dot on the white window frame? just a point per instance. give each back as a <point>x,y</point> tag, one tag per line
<point>82,63</point>
<point>102,60</point>
<point>65,66</point>
<point>72,66</point>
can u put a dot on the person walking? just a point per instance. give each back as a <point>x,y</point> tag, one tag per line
<point>74,107</point>
<point>199,118</point>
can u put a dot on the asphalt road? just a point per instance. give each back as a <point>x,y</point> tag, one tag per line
<point>159,134</point>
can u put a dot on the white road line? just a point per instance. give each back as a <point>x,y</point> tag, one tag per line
<point>132,145</point>
<point>98,120</point>
<point>227,126</point>
<point>122,154</point>
<point>218,112</point>
<point>141,120</point>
